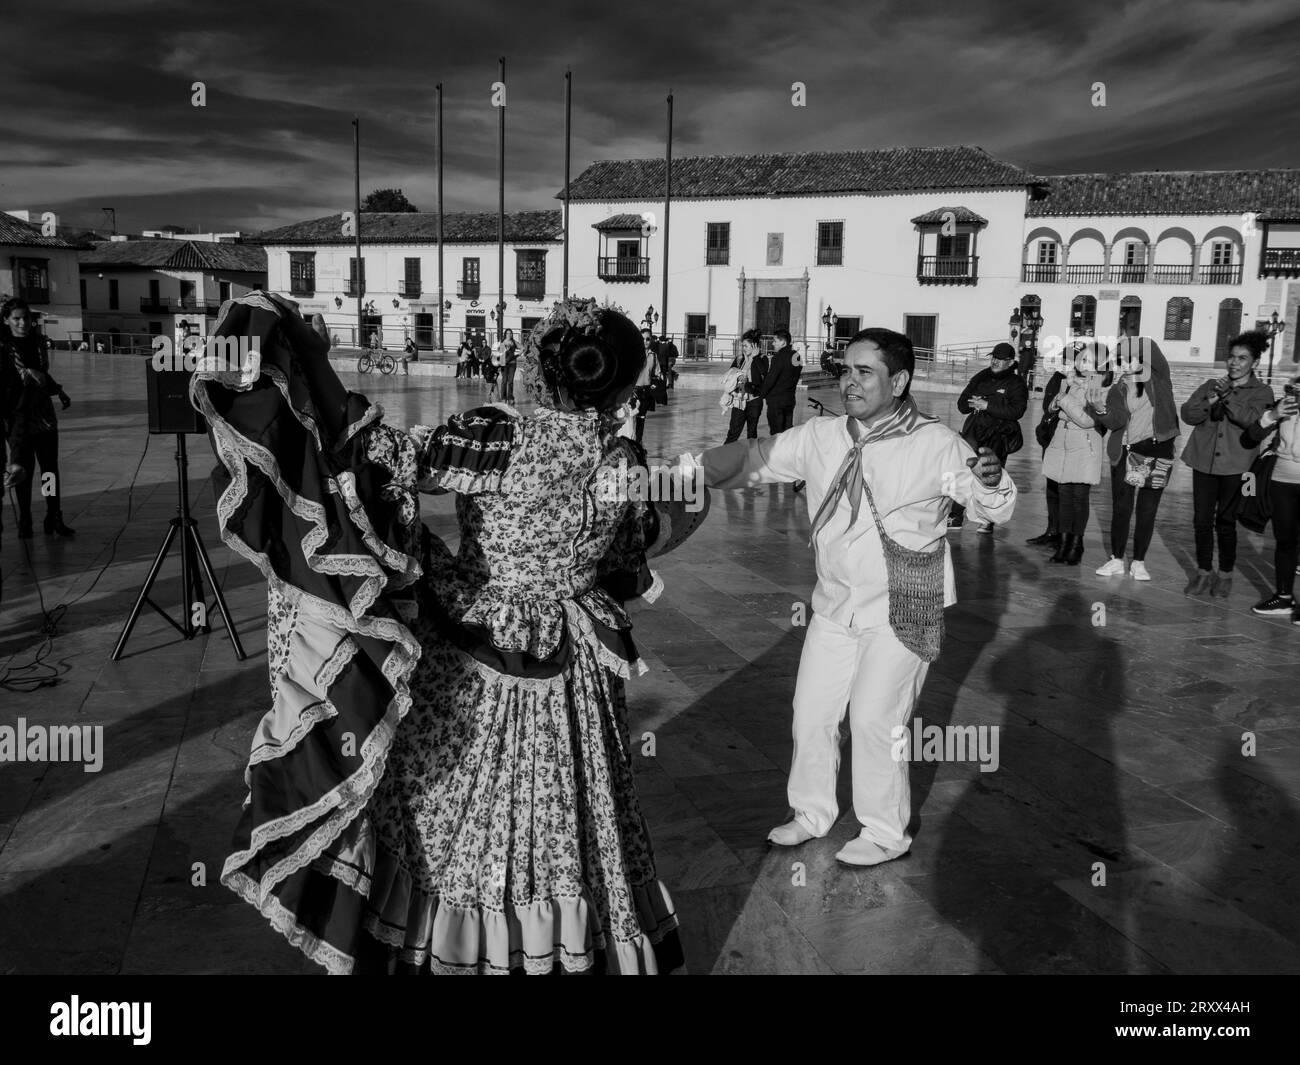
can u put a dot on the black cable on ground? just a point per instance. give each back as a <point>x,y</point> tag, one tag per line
<point>37,674</point>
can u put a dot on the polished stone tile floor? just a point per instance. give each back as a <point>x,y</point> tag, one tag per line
<point>1124,830</point>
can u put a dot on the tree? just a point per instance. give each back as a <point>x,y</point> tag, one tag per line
<point>387,200</point>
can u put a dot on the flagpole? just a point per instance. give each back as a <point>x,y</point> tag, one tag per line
<point>668,198</point>
<point>568,131</point>
<point>501,208</point>
<point>361,263</point>
<point>441,298</point>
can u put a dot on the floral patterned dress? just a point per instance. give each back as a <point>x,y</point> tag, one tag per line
<point>444,779</point>
<point>509,833</point>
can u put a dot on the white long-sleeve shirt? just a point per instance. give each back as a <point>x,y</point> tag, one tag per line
<point>914,478</point>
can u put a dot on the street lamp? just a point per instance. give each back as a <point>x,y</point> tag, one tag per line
<point>651,317</point>
<point>829,319</point>
<point>1272,328</point>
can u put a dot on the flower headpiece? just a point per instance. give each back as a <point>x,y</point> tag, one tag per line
<point>569,319</point>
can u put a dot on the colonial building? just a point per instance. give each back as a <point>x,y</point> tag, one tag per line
<point>1189,258</point>
<point>923,240</point>
<point>140,288</point>
<point>315,262</point>
<point>41,269</point>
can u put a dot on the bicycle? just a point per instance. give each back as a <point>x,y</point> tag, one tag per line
<point>368,361</point>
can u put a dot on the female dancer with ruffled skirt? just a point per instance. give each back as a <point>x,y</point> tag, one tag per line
<point>444,781</point>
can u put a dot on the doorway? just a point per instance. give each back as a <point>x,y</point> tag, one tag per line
<point>921,330</point>
<point>771,313</point>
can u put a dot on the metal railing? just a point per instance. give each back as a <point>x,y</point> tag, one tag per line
<point>467,290</point>
<point>947,269</point>
<point>179,305</point>
<point>622,268</point>
<point>1131,274</point>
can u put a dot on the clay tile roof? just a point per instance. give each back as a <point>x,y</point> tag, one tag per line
<point>620,221</point>
<point>1170,193</point>
<point>166,254</point>
<point>16,231</point>
<point>961,215</point>
<point>799,174</point>
<point>421,227</point>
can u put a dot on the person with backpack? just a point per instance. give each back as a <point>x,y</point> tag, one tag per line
<point>993,401</point>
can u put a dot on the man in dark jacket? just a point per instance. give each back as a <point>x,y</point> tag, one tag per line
<point>779,385</point>
<point>994,402</point>
<point>668,355</point>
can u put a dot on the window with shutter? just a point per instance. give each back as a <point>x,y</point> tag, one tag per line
<point>1178,319</point>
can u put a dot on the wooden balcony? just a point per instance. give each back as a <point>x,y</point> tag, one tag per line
<point>530,290</point>
<point>409,289</point>
<point>613,268</point>
<point>467,290</point>
<point>947,269</point>
<point>1281,262</point>
<point>168,305</point>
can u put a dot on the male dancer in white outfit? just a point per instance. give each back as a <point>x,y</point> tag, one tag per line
<point>915,468</point>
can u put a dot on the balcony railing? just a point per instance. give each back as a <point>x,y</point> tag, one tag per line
<point>1085,275</point>
<point>467,290</point>
<point>1132,274</point>
<point>302,288</point>
<point>187,305</point>
<point>530,290</point>
<point>1040,273</point>
<point>1283,261</point>
<point>947,269</point>
<point>1129,274</point>
<point>33,294</point>
<point>353,288</point>
<point>717,256</point>
<point>614,268</point>
<point>410,289</point>
<point>1220,274</point>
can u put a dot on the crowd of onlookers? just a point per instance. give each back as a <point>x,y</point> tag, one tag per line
<point>1114,410</point>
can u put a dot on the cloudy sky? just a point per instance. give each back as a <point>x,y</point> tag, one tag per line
<point>99,106</point>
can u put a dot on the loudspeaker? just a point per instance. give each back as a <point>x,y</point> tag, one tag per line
<point>170,410</point>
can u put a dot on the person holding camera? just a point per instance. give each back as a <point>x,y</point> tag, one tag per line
<point>1281,423</point>
<point>1143,420</point>
<point>993,401</point>
<point>1219,412</point>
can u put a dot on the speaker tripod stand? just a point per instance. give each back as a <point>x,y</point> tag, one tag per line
<point>195,565</point>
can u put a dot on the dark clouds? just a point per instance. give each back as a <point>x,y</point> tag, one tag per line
<point>99,113</point>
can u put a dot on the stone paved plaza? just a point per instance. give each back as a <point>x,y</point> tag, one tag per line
<point>1120,745</point>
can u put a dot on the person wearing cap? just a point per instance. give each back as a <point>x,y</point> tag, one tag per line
<point>994,402</point>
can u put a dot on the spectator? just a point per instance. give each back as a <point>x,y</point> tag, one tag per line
<point>34,420</point>
<point>1219,412</point>
<point>1284,497</point>
<point>1143,420</point>
<point>1073,458</point>
<point>510,356</point>
<point>993,401</point>
<point>779,386</point>
<point>754,374</point>
<point>668,355</point>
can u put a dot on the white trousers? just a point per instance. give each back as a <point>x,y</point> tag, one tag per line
<point>878,680</point>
